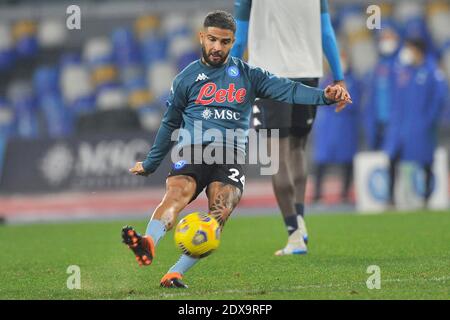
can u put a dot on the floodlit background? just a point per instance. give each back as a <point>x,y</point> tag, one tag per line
<point>78,107</point>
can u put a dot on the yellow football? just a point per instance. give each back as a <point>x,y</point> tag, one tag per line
<point>197,235</point>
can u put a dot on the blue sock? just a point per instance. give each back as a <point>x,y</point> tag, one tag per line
<point>300,208</point>
<point>156,230</point>
<point>183,264</point>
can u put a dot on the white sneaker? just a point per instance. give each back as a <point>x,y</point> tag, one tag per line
<point>295,245</point>
<point>302,226</point>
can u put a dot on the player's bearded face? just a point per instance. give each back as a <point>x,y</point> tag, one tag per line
<point>213,58</point>
<point>216,45</point>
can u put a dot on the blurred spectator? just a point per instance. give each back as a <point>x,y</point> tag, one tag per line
<point>336,135</point>
<point>418,101</point>
<point>7,54</point>
<point>407,9</point>
<point>58,120</point>
<point>134,65</point>
<point>446,67</point>
<point>6,127</point>
<point>153,43</point>
<point>361,47</point>
<point>75,85</point>
<point>380,87</point>
<point>438,21</point>
<point>20,93</point>
<point>51,33</point>
<point>6,119</point>
<point>159,77</point>
<point>24,33</point>
<point>416,28</point>
<point>99,54</point>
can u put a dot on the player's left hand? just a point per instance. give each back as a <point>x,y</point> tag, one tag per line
<point>138,169</point>
<point>339,94</point>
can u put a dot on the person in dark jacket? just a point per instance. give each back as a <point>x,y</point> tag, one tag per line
<point>380,87</point>
<point>336,136</point>
<point>419,98</point>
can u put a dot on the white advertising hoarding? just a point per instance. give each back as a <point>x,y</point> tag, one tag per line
<point>372,183</point>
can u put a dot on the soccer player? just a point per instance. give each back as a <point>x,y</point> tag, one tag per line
<point>216,91</point>
<point>287,38</point>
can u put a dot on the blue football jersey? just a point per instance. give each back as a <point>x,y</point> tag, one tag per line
<point>203,97</point>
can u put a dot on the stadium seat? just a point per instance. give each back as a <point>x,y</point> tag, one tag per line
<point>111,97</point>
<point>154,48</point>
<point>51,33</point>
<point>57,118</point>
<point>6,119</point>
<point>362,50</point>
<point>160,76</point>
<point>75,84</point>
<point>125,47</point>
<point>7,54</point>
<point>405,10</point>
<point>175,24</point>
<point>26,42</point>
<point>98,51</point>
<point>183,50</point>
<point>438,22</point>
<point>107,121</point>
<point>149,118</point>
<point>20,93</point>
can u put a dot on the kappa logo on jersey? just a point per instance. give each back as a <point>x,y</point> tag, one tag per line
<point>209,94</point>
<point>201,77</point>
<point>221,114</point>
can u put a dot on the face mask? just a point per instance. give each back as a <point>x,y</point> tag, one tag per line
<point>406,57</point>
<point>388,47</point>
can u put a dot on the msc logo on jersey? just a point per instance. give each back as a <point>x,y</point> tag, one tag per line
<point>207,114</point>
<point>233,71</point>
<point>208,94</point>
<point>220,114</point>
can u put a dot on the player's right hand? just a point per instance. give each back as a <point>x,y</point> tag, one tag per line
<point>138,169</point>
<point>339,95</point>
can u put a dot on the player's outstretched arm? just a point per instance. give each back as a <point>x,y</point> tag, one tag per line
<point>170,122</point>
<point>269,86</point>
<point>163,142</point>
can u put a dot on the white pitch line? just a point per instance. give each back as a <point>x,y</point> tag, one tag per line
<point>312,286</point>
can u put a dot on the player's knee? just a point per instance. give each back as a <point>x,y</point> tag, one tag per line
<point>178,196</point>
<point>174,202</point>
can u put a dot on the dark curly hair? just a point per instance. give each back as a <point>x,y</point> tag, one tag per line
<point>220,19</point>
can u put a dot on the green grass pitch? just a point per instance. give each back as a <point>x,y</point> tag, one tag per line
<point>411,249</point>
